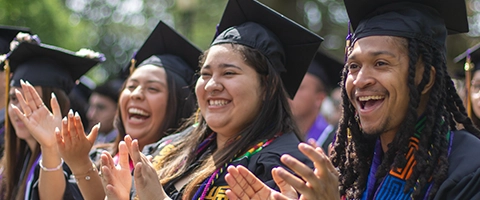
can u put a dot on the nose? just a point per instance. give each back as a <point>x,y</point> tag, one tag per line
<point>137,93</point>
<point>364,78</point>
<point>213,85</point>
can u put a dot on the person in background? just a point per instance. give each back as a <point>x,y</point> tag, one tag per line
<point>323,75</point>
<point>472,97</point>
<point>79,97</point>
<point>103,108</point>
<point>32,165</point>
<point>7,34</point>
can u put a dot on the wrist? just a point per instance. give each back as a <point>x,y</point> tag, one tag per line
<point>80,166</point>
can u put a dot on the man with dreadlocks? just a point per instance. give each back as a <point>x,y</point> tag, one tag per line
<point>397,137</point>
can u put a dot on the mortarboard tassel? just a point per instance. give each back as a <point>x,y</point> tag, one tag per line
<point>468,78</point>
<point>132,65</point>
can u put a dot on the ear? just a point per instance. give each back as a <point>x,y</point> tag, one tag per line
<point>430,83</point>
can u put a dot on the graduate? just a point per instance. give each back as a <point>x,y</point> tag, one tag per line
<point>154,101</point>
<point>7,34</point>
<point>253,66</point>
<point>32,165</point>
<point>322,76</point>
<point>471,58</point>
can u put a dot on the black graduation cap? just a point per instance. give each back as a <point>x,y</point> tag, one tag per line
<point>46,65</point>
<point>327,69</point>
<point>288,46</point>
<point>474,54</point>
<point>167,48</point>
<point>427,20</point>
<point>7,34</point>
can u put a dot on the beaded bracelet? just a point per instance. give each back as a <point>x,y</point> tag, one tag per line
<point>85,175</point>
<point>51,169</point>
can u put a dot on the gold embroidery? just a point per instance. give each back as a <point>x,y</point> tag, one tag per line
<point>217,193</point>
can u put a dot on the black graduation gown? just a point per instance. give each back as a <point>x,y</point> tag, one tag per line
<point>260,164</point>
<point>463,181</point>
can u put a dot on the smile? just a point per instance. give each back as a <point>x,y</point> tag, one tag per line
<point>218,102</point>
<point>370,102</point>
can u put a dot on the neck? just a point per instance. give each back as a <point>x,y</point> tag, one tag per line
<point>386,139</point>
<point>221,141</point>
<point>32,143</point>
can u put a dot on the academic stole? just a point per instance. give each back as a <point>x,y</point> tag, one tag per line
<point>208,182</point>
<point>394,182</point>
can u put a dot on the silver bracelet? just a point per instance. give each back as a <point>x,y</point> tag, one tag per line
<point>51,169</point>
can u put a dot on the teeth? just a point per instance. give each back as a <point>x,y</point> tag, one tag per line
<point>137,111</point>
<point>368,98</point>
<point>217,102</point>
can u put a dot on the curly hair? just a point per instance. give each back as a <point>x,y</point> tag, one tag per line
<point>354,152</point>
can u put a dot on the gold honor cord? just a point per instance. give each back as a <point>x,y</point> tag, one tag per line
<point>468,79</point>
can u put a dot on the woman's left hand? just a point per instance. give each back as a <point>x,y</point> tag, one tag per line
<point>146,180</point>
<point>35,115</point>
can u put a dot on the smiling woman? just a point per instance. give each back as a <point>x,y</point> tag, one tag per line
<point>154,100</point>
<point>244,117</point>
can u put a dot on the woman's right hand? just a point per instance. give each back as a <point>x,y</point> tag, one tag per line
<point>73,145</point>
<point>147,184</point>
<point>116,180</point>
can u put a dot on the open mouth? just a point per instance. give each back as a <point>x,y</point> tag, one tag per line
<point>218,102</point>
<point>135,113</point>
<point>370,102</point>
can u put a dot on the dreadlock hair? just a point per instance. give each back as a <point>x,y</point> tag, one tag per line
<point>353,155</point>
<point>273,117</point>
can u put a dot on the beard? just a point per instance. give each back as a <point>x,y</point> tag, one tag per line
<point>375,132</point>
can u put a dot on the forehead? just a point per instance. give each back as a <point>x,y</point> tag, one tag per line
<point>149,71</point>
<point>375,44</point>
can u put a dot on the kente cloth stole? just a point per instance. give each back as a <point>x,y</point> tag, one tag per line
<point>392,185</point>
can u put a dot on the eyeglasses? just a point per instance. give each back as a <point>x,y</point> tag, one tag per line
<point>475,88</point>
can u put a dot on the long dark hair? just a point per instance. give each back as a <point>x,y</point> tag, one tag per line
<point>180,105</point>
<point>274,117</point>
<point>13,182</point>
<point>353,155</point>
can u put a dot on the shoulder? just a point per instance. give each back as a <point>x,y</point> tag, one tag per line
<point>284,144</point>
<point>463,181</point>
<point>465,146</point>
<point>155,148</point>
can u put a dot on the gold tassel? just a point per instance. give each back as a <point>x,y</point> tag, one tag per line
<point>6,68</point>
<point>468,78</point>
<point>132,65</point>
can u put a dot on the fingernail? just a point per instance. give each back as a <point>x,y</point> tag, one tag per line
<point>57,130</point>
<point>22,82</point>
<point>64,120</point>
<point>77,116</point>
<point>98,124</point>
<point>70,113</point>
<point>53,95</point>
<point>28,83</point>
<point>16,90</point>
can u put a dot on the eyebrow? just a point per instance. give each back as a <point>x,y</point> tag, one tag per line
<point>151,81</point>
<point>223,65</point>
<point>376,53</point>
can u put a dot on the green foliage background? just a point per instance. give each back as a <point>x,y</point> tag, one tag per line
<point>118,27</point>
